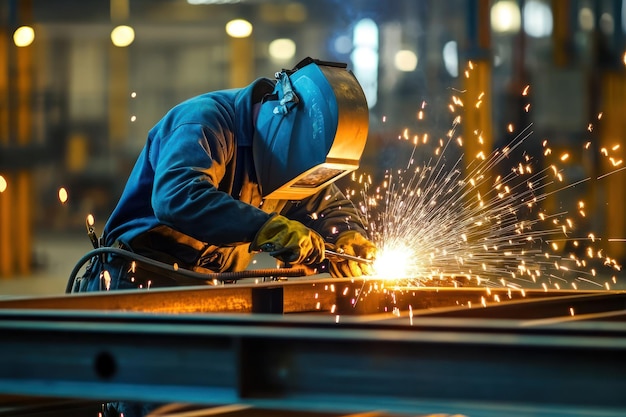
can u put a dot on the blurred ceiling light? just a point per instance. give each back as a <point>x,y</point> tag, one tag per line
<point>607,24</point>
<point>122,36</point>
<point>343,44</point>
<point>23,36</point>
<point>365,58</point>
<point>3,184</point>
<point>282,49</point>
<point>405,60</point>
<point>505,17</point>
<point>586,19</point>
<point>239,28</point>
<point>366,34</point>
<point>195,2</point>
<point>537,19</point>
<point>451,58</point>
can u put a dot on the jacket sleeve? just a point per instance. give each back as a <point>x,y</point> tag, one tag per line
<point>189,164</point>
<point>329,212</point>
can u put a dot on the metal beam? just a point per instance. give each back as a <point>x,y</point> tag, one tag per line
<point>475,367</point>
<point>339,296</point>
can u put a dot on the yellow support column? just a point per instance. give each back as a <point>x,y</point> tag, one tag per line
<point>613,127</point>
<point>16,79</point>
<point>241,62</point>
<point>478,121</point>
<point>23,203</point>
<point>562,34</point>
<point>6,245</point>
<point>118,80</point>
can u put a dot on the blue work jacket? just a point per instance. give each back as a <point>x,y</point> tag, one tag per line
<point>194,183</point>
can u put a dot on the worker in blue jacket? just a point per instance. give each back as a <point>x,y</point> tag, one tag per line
<point>231,173</point>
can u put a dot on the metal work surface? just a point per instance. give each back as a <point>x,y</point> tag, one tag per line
<point>329,348</point>
<point>340,296</point>
<point>430,365</point>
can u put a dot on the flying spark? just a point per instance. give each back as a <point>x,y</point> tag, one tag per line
<point>450,216</point>
<point>63,195</point>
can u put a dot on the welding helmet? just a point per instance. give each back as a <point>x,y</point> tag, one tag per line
<point>310,131</point>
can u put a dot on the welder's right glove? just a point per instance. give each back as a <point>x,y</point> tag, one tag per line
<point>352,243</point>
<point>289,241</point>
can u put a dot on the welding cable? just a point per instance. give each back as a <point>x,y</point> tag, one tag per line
<point>169,271</point>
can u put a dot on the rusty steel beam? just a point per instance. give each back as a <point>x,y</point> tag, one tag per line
<point>338,296</point>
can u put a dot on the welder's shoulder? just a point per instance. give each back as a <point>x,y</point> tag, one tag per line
<point>215,110</point>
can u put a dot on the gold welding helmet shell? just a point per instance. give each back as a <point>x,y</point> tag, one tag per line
<point>310,131</point>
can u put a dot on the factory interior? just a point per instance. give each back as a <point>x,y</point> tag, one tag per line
<point>492,183</point>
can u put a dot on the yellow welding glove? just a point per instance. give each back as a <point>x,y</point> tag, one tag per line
<point>289,241</point>
<point>355,244</point>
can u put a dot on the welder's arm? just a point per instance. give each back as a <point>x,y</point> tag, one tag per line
<point>189,166</point>
<point>329,212</point>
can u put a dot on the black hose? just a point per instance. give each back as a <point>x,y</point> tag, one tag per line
<point>171,272</point>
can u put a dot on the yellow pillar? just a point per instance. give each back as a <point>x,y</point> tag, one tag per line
<point>613,127</point>
<point>478,121</point>
<point>562,34</point>
<point>241,62</point>
<point>6,245</point>
<point>118,79</point>
<point>23,203</point>
<point>16,78</point>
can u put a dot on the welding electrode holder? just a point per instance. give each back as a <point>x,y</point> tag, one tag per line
<point>342,255</point>
<point>91,233</point>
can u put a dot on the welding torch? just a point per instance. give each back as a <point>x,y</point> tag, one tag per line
<point>342,255</point>
<point>269,247</point>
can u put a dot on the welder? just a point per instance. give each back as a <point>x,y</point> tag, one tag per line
<point>231,173</point>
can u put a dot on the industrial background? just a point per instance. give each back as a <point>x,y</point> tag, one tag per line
<point>75,108</point>
<point>82,82</point>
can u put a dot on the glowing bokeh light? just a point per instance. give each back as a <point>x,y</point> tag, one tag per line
<point>405,60</point>
<point>451,58</point>
<point>586,19</point>
<point>122,36</point>
<point>23,36</point>
<point>607,23</point>
<point>506,17</point>
<point>3,184</point>
<point>365,57</point>
<point>239,28</point>
<point>343,44</point>
<point>282,49</point>
<point>63,195</point>
<point>537,19</point>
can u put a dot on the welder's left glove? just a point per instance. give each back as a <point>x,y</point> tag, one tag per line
<point>352,243</point>
<point>289,241</point>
